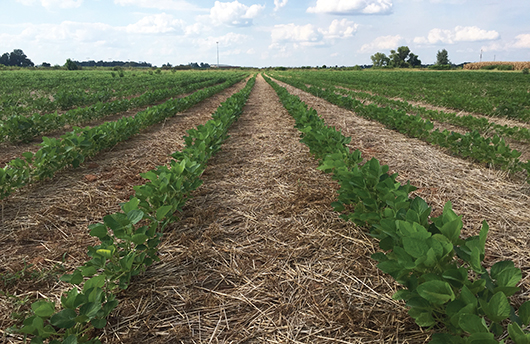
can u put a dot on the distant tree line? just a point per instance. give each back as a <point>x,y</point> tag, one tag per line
<point>16,59</point>
<point>191,65</point>
<point>101,63</point>
<point>400,58</point>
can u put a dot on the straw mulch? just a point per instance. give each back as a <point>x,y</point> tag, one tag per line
<point>478,193</point>
<point>259,255</point>
<point>45,225</point>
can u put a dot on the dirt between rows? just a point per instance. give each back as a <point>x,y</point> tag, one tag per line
<point>44,226</point>
<point>259,256</point>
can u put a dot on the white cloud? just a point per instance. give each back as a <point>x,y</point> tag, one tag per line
<point>279,4</point>
<point>229,40</point>
<point>309,35</point>
<point>340,29</point>
<point>177,5</point>
<point>67,31</point>
<point>382,43</point>
<point>459,34</point>
<point>196,29</point>
<point>53,3</point>
<point>233,14</point>
<point>154,24</point>
<point>345,7</point>
<point>522,41</point>
<point>298,34</point>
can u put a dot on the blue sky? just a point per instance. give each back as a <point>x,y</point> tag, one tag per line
<point>263,33</point>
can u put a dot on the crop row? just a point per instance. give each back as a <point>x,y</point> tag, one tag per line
<point>74,147</point>
<point>445,284</point>
<point>130,238</point>
<point>25,128</point>
<point>491,94</point>
<point>470,122</point>
<point>25,93</point>
<point>493,151</point>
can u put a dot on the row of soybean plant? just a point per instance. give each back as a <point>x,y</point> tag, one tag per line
<point>74,147</point>
<point>492,94</point>
<point>130,238</point>
<point>493,151</point>
<point>21,127</point>
<point>469,122</point>
<point>28,92</point>
<point>445,284</point>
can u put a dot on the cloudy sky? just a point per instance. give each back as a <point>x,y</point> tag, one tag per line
<point>264,33</point>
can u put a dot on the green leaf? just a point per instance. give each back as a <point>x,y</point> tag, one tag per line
<point>425,319</point>
<point>88,271</point>
<point>401,294</point>
<point>98,230</point>
<point>498,308</point>
<point>99,323</point>
<point>517,334</point>
<point>69,300</point>
<point>71,339</point>
<point>64,319</point>
<point>139,239</point>
<point>524,313</point>
<point>415,247</point>
<point>94,282</point>
<point>90,309</point>
<point>472,323</point>
<point>506,274</point>
<point>43,309</point>
<point>112,223</point>
<point>452,230</point>
<point>131,205</point>
<point>446,338</point>
<point>135,216</point>
<point>162,212</point>
<point>437,292</point>
<point>74,278</point>
<point>468,297</point>
<point>482,338</point>
<point>456,277</point>
<point>127,261</point>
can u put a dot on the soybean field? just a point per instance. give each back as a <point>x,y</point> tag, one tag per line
<point>275,206</point>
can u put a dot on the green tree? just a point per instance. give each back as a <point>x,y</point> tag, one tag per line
<point>442,58</point>
<point>71,65</point>
<point>380,60</point>
<point>413,60</point>
<point>4,59</point>
<point>397,58</point>
<point>16,58</point>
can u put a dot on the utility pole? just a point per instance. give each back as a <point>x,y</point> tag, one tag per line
<point>217,54</point>
<point>480,55</point>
